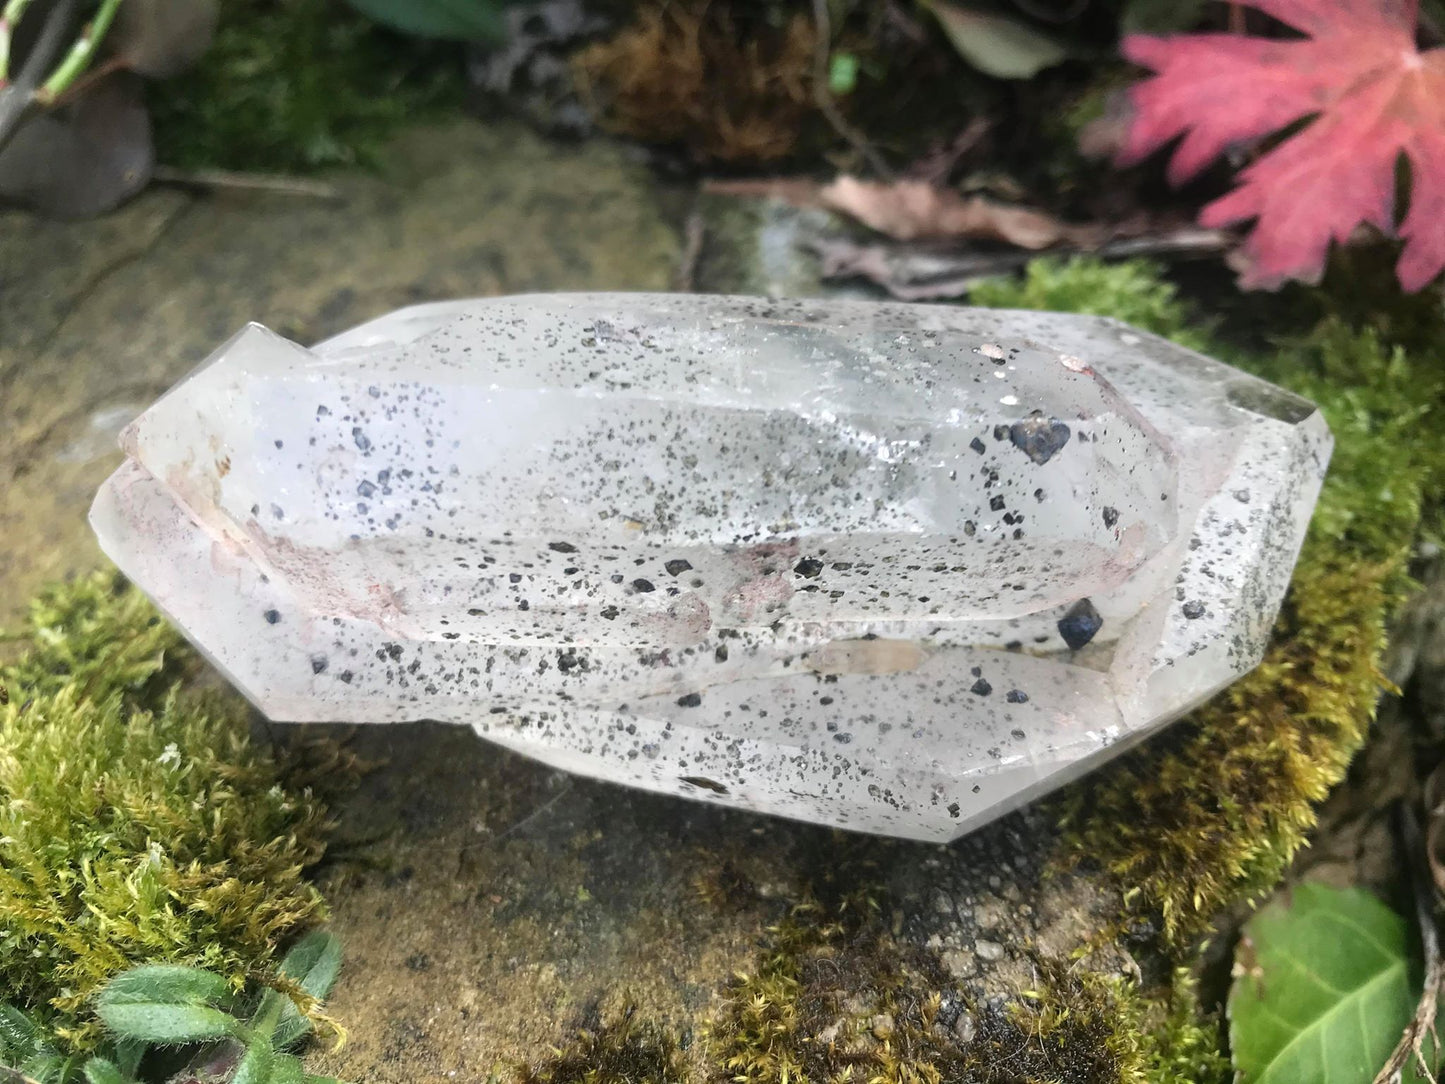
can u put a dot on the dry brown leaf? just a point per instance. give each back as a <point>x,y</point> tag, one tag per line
<point>916,210</point>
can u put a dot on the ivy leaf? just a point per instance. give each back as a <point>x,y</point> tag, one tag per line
<point>996,44</point>
<point>1323,988</point>
<point>1372,96</point>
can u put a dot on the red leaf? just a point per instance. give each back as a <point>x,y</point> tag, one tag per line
<point>1373,97</point>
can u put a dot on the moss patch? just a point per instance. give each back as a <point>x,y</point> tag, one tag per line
<point>137,820</point>
<point>291,85</point>
<point>1214,810</point>
<point>638,1052</point>
<point>836,998</point>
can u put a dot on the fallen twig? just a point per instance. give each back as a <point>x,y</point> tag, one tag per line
<point>913,272</point>
<point>218,178</point>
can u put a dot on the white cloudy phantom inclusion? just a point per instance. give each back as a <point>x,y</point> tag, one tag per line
<point>894,568</point>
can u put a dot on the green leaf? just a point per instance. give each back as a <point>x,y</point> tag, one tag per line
<point>128,1053</point>
<point>460,20</point>
<point>256,1064</point>
<point>1323,989</point>
<point>164,984</point>
<point>20,1036</point>
<point>101,1071</point>
<point>46,1068</point>
<point>314,963</point>
<point>1160,16</point>
<point>286,1069</point>
<point>167,1023</point>
<point>995,44</point>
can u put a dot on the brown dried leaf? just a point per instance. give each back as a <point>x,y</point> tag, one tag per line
<point>915,210</point>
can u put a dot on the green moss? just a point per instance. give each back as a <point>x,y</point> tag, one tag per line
<point>835,998</point>
<point>137,820</point>
<point>1133,291</point>
<point>1214,810</point>
<point>99,637</point>
<point>631,1051</point>
<point>291,85</point>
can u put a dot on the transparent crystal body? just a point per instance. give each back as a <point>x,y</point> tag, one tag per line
<point>893,568</point>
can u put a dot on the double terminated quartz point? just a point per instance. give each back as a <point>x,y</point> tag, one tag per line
<point>892,568</point>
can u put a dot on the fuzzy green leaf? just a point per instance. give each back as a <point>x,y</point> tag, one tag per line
<point>20,1036</point>
<point>167,1023</point>
<point>286,1069</point>
<point>256,1064</point>
<point>314,963</point>
<point>995,44</point>
<point>1323,988</point>
<point>128,1053</point>
<point>101,1071</point>
<point>46,1068</point>
<point>164,984</point>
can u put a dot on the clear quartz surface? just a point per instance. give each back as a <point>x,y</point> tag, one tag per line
<point>894,568</point>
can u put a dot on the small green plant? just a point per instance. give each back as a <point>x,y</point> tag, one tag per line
<point>168,1013</point>
<point>138,822</point>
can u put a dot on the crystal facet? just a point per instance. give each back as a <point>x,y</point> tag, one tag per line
<point>894,568</point>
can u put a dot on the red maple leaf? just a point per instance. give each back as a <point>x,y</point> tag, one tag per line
<point>1373,96</point>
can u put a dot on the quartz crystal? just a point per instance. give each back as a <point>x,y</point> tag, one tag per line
<point>893,568</point>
